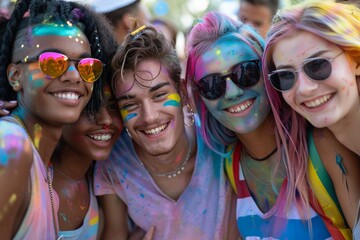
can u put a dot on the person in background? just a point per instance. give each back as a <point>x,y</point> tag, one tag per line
<point>166,28</point>
<point>122,14</point>
<point>258,13</point>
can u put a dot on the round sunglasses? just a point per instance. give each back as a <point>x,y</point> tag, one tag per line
<point>317,69</point>
<point>54,64</point>
<point>244,75</point>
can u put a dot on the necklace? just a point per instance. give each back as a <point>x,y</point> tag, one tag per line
<point>47,179</point>
<point>78,181</point>
<point>263,158</point>
<point>248,157</point>
<point>172,173</point>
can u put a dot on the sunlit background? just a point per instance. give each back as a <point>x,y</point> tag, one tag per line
<point>181,13</point>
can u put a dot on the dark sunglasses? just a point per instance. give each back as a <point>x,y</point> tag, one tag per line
<point>54,64</point>
<point>244,74</point>
<point>317,69</point>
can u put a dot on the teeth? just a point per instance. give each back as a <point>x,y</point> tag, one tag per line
<point>241,107</point>
<point>69,95</point>
<point>318,101</point>
<point>155,130</point>
<point>101,137</point>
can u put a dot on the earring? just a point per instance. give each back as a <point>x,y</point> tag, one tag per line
<point>189,116</point>
<point>15,83</point>
<point>127,130</point>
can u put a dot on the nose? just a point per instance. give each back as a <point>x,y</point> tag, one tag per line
<point>71,74</point>
<point>150,113</point>
<point>103,117</point>
<point>304,85</point>
<point>232,91</point>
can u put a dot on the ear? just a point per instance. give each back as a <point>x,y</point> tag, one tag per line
<point>13,74</point>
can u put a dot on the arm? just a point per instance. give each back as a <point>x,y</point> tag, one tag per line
<point>115,217</point>
<point>347,186</point>
<point>15,162</point>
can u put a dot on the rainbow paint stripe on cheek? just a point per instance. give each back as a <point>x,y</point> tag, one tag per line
<point>174,100</point>
<point>126,116</point>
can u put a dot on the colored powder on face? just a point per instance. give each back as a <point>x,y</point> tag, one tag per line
<point>174,100</point>
<point>62,30</point>
<point>126,116</point>
<point>4,158</point>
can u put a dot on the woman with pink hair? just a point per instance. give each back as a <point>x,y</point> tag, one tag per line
<point>318,82</point>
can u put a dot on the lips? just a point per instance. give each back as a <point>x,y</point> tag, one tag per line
<point>318,101</point>
<point>241,107</point>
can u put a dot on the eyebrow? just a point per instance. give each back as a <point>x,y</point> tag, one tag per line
<point>152,89</point>
<point>160,85</point>
<point>314,55</point>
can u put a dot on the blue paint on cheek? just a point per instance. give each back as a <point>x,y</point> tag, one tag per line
<point>4,158</point>
<point>38,83</point>
<point>172,103</point>
<point>130,116</point>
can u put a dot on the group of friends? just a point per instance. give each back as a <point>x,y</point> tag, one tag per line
<point>259,140</point>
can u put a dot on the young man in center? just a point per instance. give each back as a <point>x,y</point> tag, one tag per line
<point>161,172</point>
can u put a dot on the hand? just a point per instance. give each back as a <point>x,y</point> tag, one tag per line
<point>6,106</point>
<point>139,234</point>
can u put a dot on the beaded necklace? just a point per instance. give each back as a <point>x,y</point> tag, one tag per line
<point>172,173</point>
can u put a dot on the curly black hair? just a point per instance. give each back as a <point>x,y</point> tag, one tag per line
<point>95,27</point>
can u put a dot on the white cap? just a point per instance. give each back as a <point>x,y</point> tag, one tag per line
<point>105,6</point>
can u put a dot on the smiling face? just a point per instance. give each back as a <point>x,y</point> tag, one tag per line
<point>59,100</point>
<point>151,109</point>
<point>92,137</point>
<point>240,110</point>
<point>325,102</point>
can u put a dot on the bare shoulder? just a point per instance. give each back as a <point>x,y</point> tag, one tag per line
<point>16,157</point>
<point>343,167</point>
<point>332,153</point>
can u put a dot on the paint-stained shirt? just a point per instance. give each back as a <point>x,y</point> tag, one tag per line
<point>202,210</point>
<point>278,222</point>
<point>90,226</point>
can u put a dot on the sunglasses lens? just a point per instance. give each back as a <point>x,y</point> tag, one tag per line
<point>90,69</point>
<point>318,69</point>
<point>53,64</point>
<point>282,80</point>
<point>211,87</point>
<point>246,74</point>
